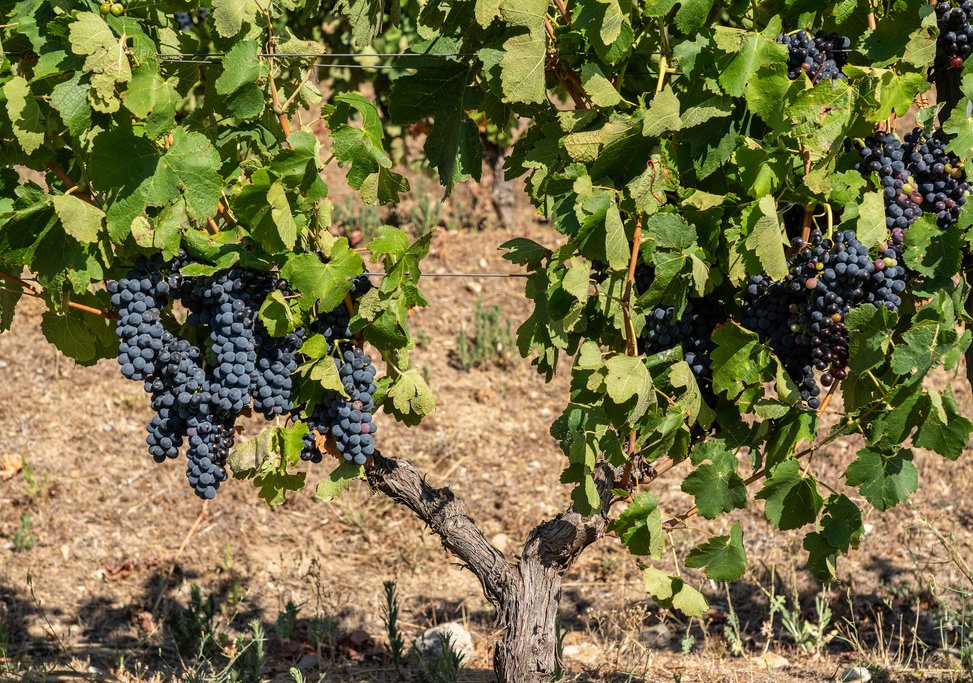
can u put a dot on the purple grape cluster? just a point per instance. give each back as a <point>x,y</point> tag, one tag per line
<point>820,56</point>
<point>955,33</point>
<point>916,174</point>
<point>198,392</point>
<point>802,317</point>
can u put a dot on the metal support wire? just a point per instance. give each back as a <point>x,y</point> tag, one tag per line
<point>469,275</point>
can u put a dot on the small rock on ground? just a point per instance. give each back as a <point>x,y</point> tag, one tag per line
<point>856,673</point>
<point>771,660</point>
<point>429,645</point>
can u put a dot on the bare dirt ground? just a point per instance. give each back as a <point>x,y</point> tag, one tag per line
<point>99,546</point>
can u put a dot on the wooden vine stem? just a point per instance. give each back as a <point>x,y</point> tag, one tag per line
<point>569,79</point>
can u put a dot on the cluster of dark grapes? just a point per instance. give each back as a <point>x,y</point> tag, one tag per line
<point>803,316</point>
<point>347,418</point>
<point>820,56</point>
<point>955,33</point>
<point>916,173</point>
<point>185,20</point>
<point>693,330</point>
<point>198,392</point>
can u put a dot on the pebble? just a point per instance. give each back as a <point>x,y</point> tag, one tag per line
<point>771,660</point>
<point>856,673</point>
<point>429,645</point>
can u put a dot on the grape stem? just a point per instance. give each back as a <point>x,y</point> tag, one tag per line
<point>565,74</point>
<point>29,290</point>
<point>631,344</point>
<point>285,125</point>
<point>70,184</point>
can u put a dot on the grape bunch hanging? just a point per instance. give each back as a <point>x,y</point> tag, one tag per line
<point>186,20</point>
<point>820,56</point>
<point>955,33</point>
<point>802,317</point>
<point>693,331</point>
<point>199,391</point>
<point>915,174</point>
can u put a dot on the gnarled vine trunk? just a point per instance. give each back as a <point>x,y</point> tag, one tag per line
<point>526,593</point>
<point>527,651</point>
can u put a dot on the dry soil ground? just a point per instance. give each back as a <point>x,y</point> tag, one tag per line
<point>90,595</point>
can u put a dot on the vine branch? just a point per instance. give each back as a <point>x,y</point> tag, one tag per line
<point>631,343</point>
<point>28,289</point>
<point>59,173</point>
<point>569,79</point>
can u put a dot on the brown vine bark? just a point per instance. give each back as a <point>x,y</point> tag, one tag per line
<point>525,593</point>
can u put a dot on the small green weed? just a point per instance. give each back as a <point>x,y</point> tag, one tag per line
<point>35,487</point>
<point>24,539</point>
<point>396,644</point>
<point>492,338</point>
<point>192,627</point>
<point>446,667</point>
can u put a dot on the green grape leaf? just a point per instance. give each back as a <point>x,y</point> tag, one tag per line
<point>870,337</point>
<point>522,67</point>
<point>80,219</point>
<point>326,283</point>
<point>672,592</point>
<point>105,60</point>
<point>151,98</point>
<point>524,252</point>
<point>750,52</point>
<point>918,351</point>
<point>25,115</point>
<point>365,17</point>
<point>842,522</point>
<point>70,335</point>
<point>871,220</point>
<point>716,486</point>
<point>241,67</point>
<point>722,557</point>
<point>663,114</point>
<point>230,15</point>
<point>792,499</point>
<point>765,238</point>
<point>248,456</point>
<point>639,526</point>
<point>599,89</point>
<point>740,361</point>
<point>276,315</point>
<point>340,479</point>
<point>273,482</point>
<point>362,149</point>
<point>786,434</point>
<point>195,164</point>
<point>70,99</point>
<point>628,382</point>
<point>453,145</point>
<point>410,399</point>
<point>884,479</point>
<point>822,557</point>
<point>945,430</point>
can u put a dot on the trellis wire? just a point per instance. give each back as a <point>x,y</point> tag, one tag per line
<point>469,275</point>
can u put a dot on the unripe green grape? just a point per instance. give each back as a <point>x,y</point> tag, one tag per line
<point>105,7</point>
<point>117,9</point>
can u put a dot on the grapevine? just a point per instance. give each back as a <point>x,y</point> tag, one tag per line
<point>741,230</point>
